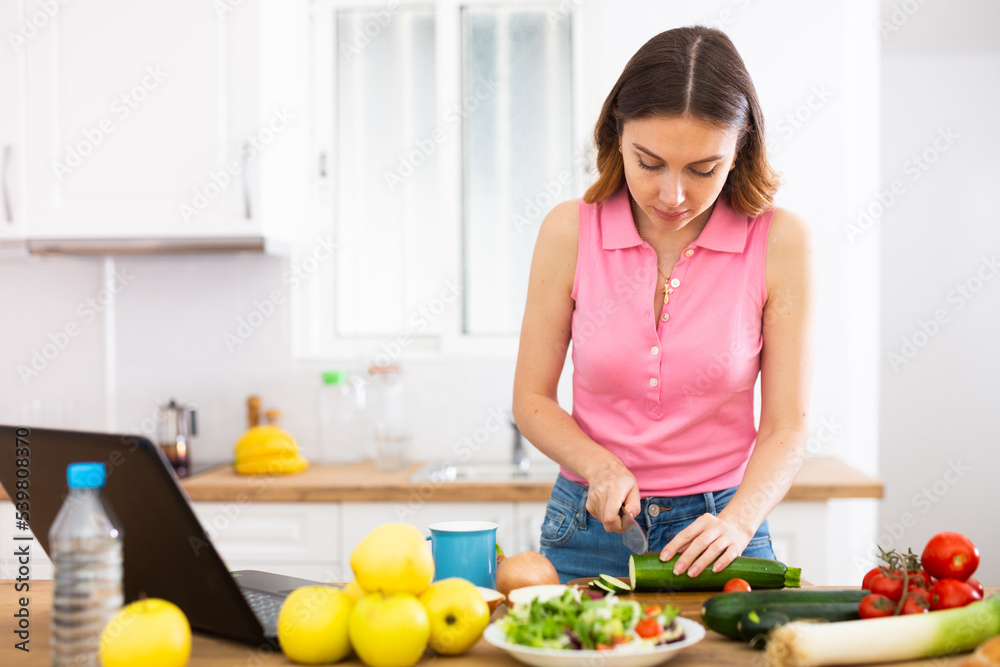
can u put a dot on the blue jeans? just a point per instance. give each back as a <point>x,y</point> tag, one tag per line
<point>578,545</point>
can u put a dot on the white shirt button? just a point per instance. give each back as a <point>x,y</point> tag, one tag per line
<point>688,252</point>
<point>653,382</point>
<point>666,316</point>
<point>655,350</point>
<point>675,282</point>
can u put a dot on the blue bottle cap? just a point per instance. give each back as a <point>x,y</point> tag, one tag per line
<point>85,475</point>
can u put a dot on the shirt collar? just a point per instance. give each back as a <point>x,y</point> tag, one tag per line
<point>725,231</point>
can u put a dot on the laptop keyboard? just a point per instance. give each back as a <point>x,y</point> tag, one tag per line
<point>265,607</point>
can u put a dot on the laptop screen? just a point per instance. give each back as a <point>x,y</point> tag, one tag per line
<point>166,552</point>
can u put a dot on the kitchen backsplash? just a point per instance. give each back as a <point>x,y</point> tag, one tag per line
<point>79,356</point>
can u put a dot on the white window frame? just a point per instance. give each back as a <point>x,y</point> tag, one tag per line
<point>314,334</point>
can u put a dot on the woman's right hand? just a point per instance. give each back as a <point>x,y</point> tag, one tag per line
<point>610,488</point>
<point>541,357</point>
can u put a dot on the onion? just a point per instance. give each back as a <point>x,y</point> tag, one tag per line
<point>528,568</point>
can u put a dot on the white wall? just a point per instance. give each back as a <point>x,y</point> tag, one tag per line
<point>815,69</point>
<point>939,436</point>
<point>168,328</point>
<point>817,77</point>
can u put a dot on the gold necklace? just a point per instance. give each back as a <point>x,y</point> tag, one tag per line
<point>667,289</point>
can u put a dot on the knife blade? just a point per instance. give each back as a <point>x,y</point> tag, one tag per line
<point>633,536</point>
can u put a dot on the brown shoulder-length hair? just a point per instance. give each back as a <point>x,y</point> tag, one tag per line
<point>694,70</point>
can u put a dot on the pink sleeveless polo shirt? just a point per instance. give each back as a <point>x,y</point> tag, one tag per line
<point>672,398</point>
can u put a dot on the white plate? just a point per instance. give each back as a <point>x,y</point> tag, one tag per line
<point>619,657</point>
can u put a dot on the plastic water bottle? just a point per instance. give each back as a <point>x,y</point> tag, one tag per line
<point>341,419</point>
<point>86,549</point>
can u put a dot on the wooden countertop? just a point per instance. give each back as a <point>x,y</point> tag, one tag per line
<point>358,482</point>
<point>819,479</point>
<point>715,650</point>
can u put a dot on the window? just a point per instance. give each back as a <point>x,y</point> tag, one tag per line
<point>516,65</point>
<point>445,134</point>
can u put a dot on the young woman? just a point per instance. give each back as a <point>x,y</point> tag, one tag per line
<point>677,281</point>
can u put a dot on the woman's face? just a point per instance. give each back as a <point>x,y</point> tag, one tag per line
<point>675,167</point>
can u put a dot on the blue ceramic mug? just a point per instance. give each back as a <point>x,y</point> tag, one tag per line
<point>466,549</point>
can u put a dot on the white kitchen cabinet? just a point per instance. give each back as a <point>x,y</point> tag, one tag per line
<point>360,518</point>
<point>298,539</point>
<point>315,540</point>
<point>529,518</point>
<point>136,109</point>
<point>12,143</point>
<point>160,121</point>
<point>801,536</point>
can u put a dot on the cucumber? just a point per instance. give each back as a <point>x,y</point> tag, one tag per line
<point>603,587</point>
<point>614,583</point>
<point>648,573</point>
<point>756,623</point>
<point>722,613</point>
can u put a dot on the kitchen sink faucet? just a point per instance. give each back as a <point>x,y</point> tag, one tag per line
<point>519,456</point>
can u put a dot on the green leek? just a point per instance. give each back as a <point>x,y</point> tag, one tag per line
<point>910,637</point>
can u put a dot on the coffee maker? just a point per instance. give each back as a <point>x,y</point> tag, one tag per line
<point>176,426</point>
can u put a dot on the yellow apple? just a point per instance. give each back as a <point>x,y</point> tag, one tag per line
<point>389,630</point>
<point>312,625</point>
<point>458,615</point>
<point>393,558</point>
<point>150,632</point>
<point>353,588</point>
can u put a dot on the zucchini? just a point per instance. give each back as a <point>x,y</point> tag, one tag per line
<point>648,573</point>
<point>603,587</point>
<point>756,623</point>
<point>722,613</point>
<point>614,583</point>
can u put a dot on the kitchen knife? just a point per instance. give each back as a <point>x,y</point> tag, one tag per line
<point>633,536</point>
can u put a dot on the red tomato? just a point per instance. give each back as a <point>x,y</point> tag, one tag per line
<point>951,593</point>
<point>867,581</point>
<point>914,604</point>
<point>736,586</point>
<point>874,606</point>
<point>920,580</point>
<point>976,586</point>
<point>890,587</point>
<point>950,556</point>
<point>920,595</point>
<point>648,627</point>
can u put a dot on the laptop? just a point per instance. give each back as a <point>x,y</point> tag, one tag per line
<point>166,553</point>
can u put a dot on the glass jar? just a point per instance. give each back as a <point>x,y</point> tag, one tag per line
<point>389,417</point>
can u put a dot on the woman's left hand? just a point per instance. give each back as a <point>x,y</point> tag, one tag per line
<point>709,538</point>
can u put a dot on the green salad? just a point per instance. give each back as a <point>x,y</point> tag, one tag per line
<point>569,622</point>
